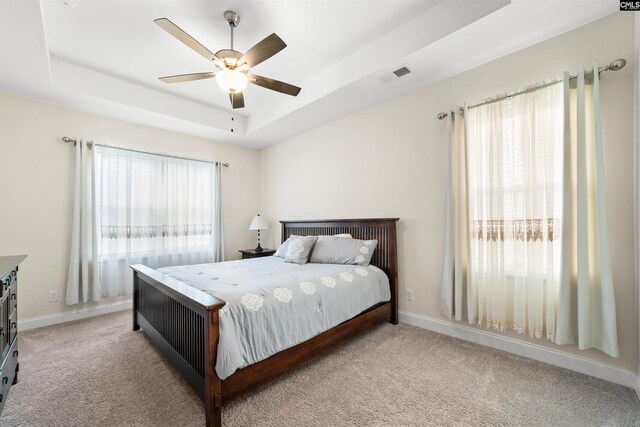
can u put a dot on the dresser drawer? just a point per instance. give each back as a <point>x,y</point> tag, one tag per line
<point>13,296</point>
<point>5,283</point>
<point>4,329</point>
<point>13,326</point>
<point>8,373</point>
<point>8,281</point>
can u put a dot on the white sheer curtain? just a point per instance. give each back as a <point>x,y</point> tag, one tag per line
<point>515,210</point>
<point>586,308</point>
<point>83,279</point>
<point>152,210</point>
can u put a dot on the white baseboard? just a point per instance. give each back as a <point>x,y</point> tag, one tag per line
<point>522,348</point>
<point>54,319</point>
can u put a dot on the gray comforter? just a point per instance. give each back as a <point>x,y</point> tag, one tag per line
<point>273,305</point>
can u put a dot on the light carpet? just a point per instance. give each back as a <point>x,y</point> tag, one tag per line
<point>98,372</point>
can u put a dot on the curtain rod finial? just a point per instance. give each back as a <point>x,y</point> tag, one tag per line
<point>618,64</point>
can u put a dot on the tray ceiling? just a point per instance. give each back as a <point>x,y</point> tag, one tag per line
<point>106,56</point>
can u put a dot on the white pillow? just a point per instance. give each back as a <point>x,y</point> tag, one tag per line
<point>345,235</point>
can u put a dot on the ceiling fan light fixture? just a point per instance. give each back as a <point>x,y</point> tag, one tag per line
<point>234,66</point>
<point>231,80</point>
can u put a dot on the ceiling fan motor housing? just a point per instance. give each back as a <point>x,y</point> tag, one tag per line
<point>230,58</point>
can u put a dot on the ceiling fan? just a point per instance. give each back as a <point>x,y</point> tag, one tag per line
<point>233,66</point>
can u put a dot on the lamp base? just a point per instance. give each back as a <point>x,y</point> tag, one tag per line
<point>259,248</point>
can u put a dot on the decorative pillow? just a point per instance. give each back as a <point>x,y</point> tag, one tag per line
<point>284,247</point>
<point>299,249</point>
<point>282,250</point>
<point>338,250</point>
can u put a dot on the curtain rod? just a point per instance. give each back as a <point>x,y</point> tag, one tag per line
<point>616,65</point>
<point>90,143</point>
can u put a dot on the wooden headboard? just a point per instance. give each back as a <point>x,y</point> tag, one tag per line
<point>383,230</point>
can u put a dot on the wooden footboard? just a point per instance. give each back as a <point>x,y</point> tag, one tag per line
<point>182,321</point>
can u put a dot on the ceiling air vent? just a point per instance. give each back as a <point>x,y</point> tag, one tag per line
<point>402,71</point>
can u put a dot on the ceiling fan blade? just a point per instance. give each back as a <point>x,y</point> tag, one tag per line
<point>276,85</point>
<point>185,38</point>
<point>262,51</point>
<point>237,100</point>
<point>187,77</point>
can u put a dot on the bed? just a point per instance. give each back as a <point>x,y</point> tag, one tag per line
<point>184,321</point>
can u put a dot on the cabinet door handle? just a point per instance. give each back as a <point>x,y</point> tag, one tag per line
<point>13,296</point>
<point>13,325</point>
<point>15,353</point>
<point>5,380</point>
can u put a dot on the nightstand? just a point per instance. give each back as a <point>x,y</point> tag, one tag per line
<point>251,253</point>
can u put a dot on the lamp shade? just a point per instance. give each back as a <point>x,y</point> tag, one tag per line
<point>258,223</point>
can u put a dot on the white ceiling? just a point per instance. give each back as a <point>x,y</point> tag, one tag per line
<point>105,56</point>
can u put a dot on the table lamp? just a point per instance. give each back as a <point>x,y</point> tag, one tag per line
<point>258,223</point>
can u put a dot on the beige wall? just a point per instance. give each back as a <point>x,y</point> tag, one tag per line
<point>36,182</point>
<point>389,160</point>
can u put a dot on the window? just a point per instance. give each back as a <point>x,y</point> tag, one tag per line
<point>515,174</point>
<point>515,169</point>
<point>526,243</point>
<point>151,209</point>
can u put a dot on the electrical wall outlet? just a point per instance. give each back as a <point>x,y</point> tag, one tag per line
<point>409,294</point>
<point>53,296</point>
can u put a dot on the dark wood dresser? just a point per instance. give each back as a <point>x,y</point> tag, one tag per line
<point>8,324</point>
